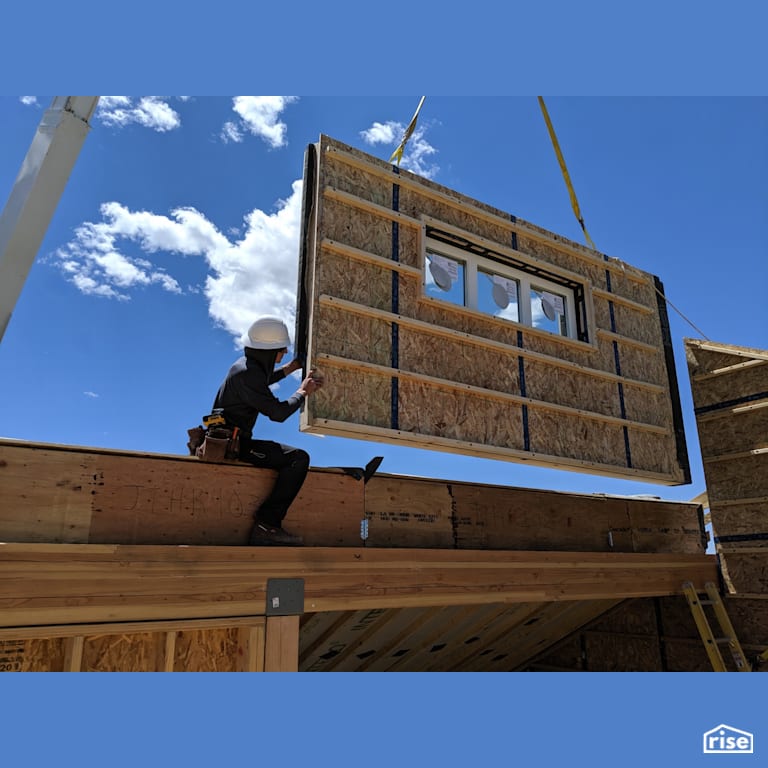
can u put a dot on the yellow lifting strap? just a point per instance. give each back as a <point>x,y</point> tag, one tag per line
<point>566,176</point>
<point>577,211</point>
<point>398,153</point>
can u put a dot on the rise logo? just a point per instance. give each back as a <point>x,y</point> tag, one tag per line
<point>725,740</point>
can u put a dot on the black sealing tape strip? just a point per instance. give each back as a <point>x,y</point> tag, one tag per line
<point>741,537</point>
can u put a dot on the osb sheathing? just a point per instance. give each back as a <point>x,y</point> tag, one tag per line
<point>750,620</point>
<point>617,653</point>
<point>739,478</point>
<point>210,650</point>
<point>748,570</point>
<point>353,396</point>
<point>383,219</point>
<point>364,339</point>
<point>730,396</point>
<point>44,655</point>
<point>728,431</point>
<point>742,520</point>
<point>455,362</point>
<point>135,652</point>
<point>427,411</point>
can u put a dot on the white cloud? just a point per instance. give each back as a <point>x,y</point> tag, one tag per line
<point>417,150</point>
<point>166,281</point>
<point>148,111</point>
<point>249,275</point>
<point>28,100</point>
<point>259,116</point>
<point>230,132</point>
<point>383,133</point>
<point>88,393</point>
<point>415,157</point>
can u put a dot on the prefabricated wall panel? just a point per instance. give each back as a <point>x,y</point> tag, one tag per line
<point>405,367</point>
<point>730,397</point>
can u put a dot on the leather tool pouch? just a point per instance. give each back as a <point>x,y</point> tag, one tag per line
<point>218,444</point>
<point>196,437</point>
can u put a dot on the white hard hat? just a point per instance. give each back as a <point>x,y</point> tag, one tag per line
<point>268,333</point>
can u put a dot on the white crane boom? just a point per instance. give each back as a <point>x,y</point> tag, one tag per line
<point>36,192</point>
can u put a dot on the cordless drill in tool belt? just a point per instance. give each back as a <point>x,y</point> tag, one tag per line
<point>215,440</point>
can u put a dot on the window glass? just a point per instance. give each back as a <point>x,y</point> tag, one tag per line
<point>470,274</point>
<point>548,311</point>
<point>445,278</point>
<point>498,295</point>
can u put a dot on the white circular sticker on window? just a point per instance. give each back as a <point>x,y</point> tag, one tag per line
<point>504,291</point>
<point>552,305</point>
<point>445,271</point>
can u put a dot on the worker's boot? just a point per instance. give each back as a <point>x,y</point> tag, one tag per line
<point>267,535</point>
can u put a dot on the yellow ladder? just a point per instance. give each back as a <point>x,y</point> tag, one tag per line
<point>711,643</point>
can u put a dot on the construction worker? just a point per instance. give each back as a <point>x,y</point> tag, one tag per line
<point>245,394</point>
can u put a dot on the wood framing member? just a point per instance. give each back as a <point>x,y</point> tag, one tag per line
<point>64,494</point>
<point>281,650</point>
<point>74,583</point>
<point>535,458</point>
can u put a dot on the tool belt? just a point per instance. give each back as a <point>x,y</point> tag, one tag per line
<point>216,442</point>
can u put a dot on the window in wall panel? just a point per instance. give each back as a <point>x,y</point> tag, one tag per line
<point>507,286</point>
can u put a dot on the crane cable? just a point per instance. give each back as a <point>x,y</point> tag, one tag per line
<point>577,211</point>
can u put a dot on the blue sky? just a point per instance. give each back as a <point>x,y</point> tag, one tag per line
<point>180,223</point>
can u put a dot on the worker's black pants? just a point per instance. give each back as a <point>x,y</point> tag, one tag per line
<point>292,465</point>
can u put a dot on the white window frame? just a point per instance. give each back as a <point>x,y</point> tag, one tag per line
<point>524,280</point>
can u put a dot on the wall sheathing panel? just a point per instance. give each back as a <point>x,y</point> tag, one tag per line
<point>730,396</point>
<point>433,374</point>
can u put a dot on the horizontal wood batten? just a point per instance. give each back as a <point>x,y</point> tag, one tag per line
<point>399,437</point>
<point>736,410</point>
<point>736,368</point>
<point>436,330</point>
<point>492,394</point>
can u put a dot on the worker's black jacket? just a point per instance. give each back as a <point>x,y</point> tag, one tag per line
<point>245,392</point>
